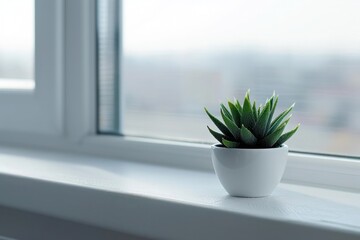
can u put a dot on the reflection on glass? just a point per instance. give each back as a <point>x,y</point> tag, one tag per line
<point>179,56</point>
<point>16,44</point>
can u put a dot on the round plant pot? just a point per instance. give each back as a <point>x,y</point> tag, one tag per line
<point>245,172</point>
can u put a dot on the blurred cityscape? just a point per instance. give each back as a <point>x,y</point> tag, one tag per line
<point>173,67</point>
<point>165,94</point>
<point>180,56</point>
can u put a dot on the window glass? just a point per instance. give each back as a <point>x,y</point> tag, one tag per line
<point>179,56</point>
<point>16,44</point>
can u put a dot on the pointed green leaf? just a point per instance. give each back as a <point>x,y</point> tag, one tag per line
<point>231,144</point>
<point>272,100</point>
<point>260,127</point>
<point>216,135</point>
<point>286,136</point>
<point>272,138</point>
<point>247,114</point>
<point>226,111</point>
<point>247,137</point>
<point>235,114</point>
<point>235,130</point>
<point>273,107</point>
<point>254,111</point>
<point>259,109</point>
<point>219,124</point>
<point>238,106</point>
<point>278,119</point>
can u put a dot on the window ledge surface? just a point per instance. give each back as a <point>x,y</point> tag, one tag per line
<point>167,202</point>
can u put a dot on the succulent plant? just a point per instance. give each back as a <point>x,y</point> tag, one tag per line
<point>246,126</point>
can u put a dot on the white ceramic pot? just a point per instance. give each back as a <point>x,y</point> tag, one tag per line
<point>249,172</point>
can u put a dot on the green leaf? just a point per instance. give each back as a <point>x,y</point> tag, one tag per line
<point>254,111</point>
<point>273,107</point>
<point>260,127</point>
<point>231,144</point>
<point>286,136</point>
<point>272,138</point>
<point>247,137</point>
<point>238,106</point>
<point>278,119</point>
<point>283,124</point>
<point>224,109</point>
<point>272,100</point>
<point>259,110</point>
<point>217,136</point>
<point>247,114</point>
<point>219,124</point>
<point>235,130</point>
<point>235,114</point>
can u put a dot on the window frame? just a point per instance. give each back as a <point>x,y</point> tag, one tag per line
<point>75,112</point>
<point>336,171</point>
<point>39,110</point>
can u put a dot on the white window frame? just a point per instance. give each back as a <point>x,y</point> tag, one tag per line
<point>74,113</point>
<point>39,110</point>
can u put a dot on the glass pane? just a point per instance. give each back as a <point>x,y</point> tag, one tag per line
<point>179,56</point>
<point>16,43</point>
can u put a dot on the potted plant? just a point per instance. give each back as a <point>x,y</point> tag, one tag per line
<point>250,157</point>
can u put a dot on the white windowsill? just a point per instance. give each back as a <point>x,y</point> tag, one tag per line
<point>168,202</point>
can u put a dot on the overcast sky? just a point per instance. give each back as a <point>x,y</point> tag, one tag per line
<point>157,26</point>
<point>16,25</point>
